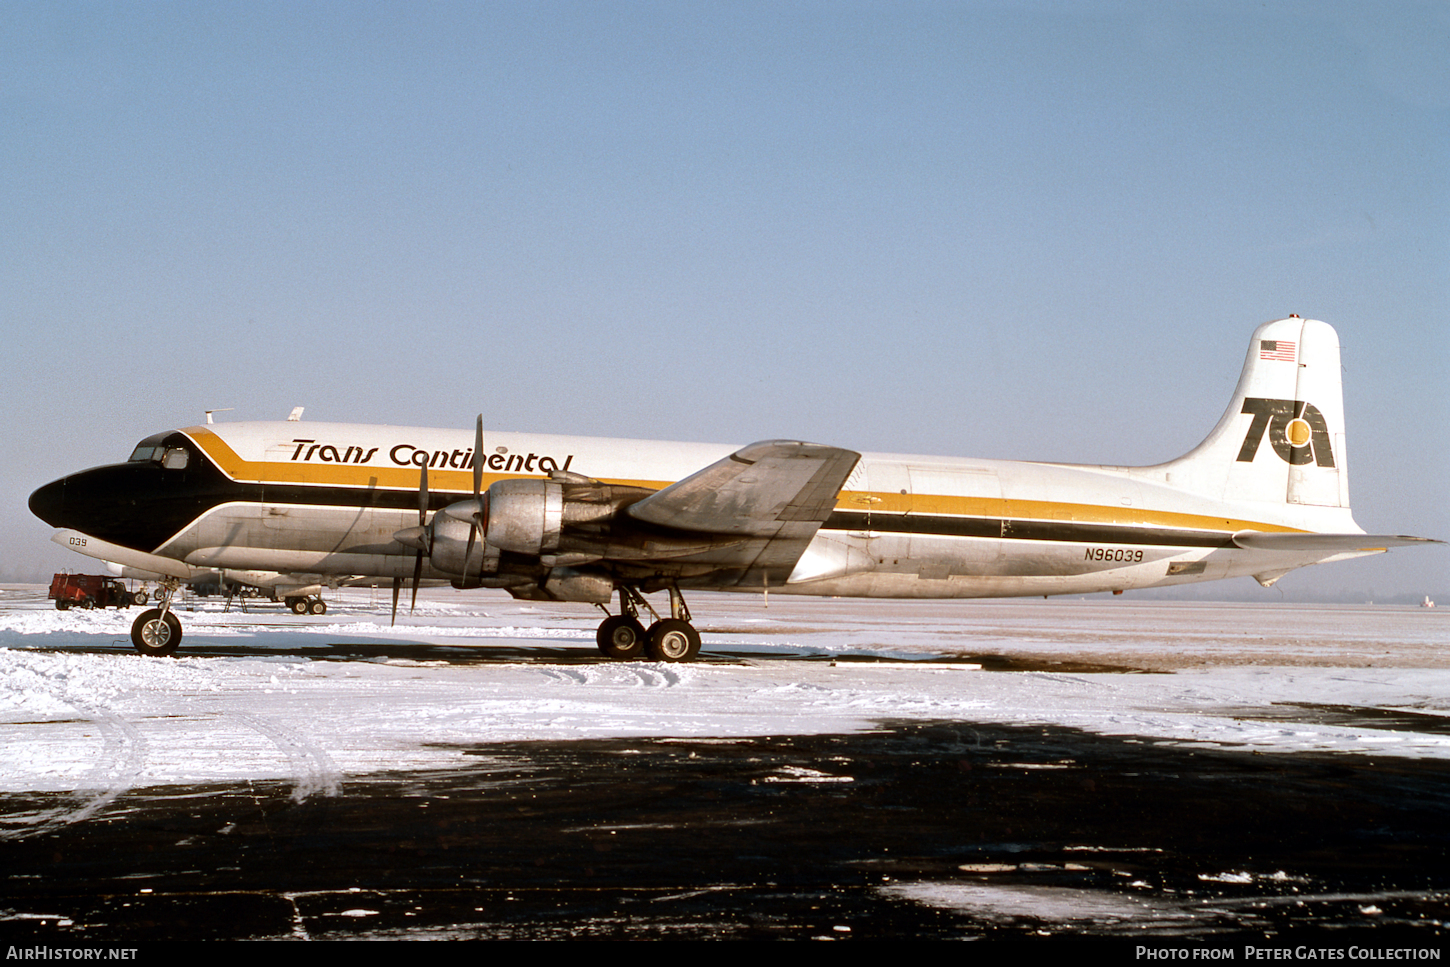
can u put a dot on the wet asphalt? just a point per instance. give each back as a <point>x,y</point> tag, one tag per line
<point>946,830</point>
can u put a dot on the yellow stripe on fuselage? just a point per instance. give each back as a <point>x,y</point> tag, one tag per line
<point>440,480</point>
<point>461,482</point>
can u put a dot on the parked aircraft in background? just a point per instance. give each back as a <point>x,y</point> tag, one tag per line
<point>585,519</point>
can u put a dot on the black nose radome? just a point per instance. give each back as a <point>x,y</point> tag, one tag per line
<point>48,503</point>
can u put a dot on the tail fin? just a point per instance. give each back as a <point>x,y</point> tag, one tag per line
<point>1282,438</point>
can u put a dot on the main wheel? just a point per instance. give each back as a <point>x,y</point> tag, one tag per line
<point>140,597</point>
<point>298,605</point>
<point>318,606</point>
<point>671,639</point>
<point>620,636</point>
<point>156,634</point>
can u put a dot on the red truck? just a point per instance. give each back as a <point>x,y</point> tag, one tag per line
<point>88,591</point>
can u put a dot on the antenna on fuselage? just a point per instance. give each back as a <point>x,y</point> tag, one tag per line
<point>223,409</point>
<point>296,415</point>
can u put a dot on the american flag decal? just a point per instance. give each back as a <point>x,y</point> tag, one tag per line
<point>1281,349</point>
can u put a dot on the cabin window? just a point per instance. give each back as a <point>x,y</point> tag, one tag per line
<point>176,459</point>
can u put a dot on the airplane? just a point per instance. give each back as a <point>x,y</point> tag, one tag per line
<point>581,519</point>
<point>281,587</point>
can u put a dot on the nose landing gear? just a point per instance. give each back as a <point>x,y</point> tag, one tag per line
<point>157,632</point>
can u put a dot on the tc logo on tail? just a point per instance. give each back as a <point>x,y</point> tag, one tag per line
<point>1297,431</point>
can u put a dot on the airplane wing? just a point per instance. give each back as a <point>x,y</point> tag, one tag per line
<point>772,489</point>
<point>1328,543</point>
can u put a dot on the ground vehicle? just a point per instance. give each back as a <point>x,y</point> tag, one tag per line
<point>90,591</point>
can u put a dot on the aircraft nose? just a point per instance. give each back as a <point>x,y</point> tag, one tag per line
<point>106,502</point>
<point>48,503</point>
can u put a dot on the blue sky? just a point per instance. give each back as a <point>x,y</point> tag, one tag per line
<point>1016,230</point>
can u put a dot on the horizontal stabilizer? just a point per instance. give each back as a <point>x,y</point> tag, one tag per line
<point>1327,543</point>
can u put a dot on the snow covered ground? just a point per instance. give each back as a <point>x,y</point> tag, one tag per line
<point>315,700</point>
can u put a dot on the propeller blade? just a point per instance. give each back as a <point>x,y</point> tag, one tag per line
<point>417,576</point>
<point>478,457</point>
<point>476,524</point>
<point>397,586</point>
<point>427,538</point>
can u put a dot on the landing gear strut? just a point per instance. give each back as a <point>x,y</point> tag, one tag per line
<point>158,632</point>
<point>624,637</point>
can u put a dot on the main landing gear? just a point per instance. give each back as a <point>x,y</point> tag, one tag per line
<point>624,637</point>
<point>312,605</point>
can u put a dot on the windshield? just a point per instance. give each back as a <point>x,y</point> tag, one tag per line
<point>146,452</point>
<point>150,450</point>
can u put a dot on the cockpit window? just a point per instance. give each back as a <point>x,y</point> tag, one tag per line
<point>172,458</point>
<point>145,452</point>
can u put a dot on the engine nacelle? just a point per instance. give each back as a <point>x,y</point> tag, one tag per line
<point>562,522</point>
<point>449,541</point>
<point>566,584</point>
<point>525,516</point>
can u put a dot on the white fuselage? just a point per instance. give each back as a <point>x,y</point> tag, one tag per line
<point>906,526</point>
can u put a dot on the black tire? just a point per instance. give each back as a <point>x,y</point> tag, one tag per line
<point>672,640</point>
<point>61,604</point>
<point>298,605</point>
<point>88,602</point>
<point>155,634</point>
<point>318,607</point>
<point>123,600</point>
<point>620,637</point>
<point>140,597</point>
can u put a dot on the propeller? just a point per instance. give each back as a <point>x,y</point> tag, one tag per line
<point>421,537</point>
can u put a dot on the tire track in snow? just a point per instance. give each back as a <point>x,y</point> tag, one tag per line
<point>313,771</point>
<point>568,676</point>
<point>650,675</point>
<point>122,758</point>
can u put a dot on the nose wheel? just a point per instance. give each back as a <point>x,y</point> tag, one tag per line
<point>158,632</point>
<point>623,636</point>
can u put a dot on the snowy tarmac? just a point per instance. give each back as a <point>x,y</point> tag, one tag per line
<point>322,713</point>
<point>313,700</point>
